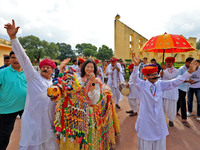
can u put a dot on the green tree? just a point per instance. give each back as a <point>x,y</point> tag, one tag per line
<point>198,45</point>
<point>104,53</point>
<point>65,51</point>
<point>51,49</point>
<point>33,47</point>
<point>88,47</point>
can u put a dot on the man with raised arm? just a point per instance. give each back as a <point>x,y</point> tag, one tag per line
<point>151,126</point>
<point>37,120</point>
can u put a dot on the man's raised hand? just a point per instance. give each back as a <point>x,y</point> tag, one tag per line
<point>11,29</point>
<point>136,60</point>
<point>193,66</point>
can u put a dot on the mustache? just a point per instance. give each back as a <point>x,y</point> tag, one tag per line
<point>45,71</point>
<point>155,78</point>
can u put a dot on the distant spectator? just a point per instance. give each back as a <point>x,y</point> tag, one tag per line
<point>75,64</point>
<point>153,61</point>
<point>141,66</point>
<point>6,62</point>
<point>105,74</point>
<point>56,71</point>
<point>123,68</point>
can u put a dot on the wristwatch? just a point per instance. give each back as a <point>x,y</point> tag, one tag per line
<point>93,84</point>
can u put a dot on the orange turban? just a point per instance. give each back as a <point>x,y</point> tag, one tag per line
<point>170,59</point>
<point>81,60</point>
<point>150,69</point>
<point>47,62</point>
<point>113,60</point>
<point>96,61</point>
<point>131,66</point>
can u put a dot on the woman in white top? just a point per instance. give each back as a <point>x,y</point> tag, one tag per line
<point>90,84</point>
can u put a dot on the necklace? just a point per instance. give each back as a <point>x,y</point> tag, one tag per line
<point>152,91</point>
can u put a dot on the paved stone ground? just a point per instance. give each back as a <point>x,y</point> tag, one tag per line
<point>180,137</point>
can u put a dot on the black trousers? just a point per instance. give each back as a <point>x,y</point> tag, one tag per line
<point>182,104</point>
<point>7,122</point>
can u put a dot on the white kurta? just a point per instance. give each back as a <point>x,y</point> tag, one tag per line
<point>133,97</point>
<point>151,124</point>
<point>114,79</point>
<point>95,94</point>
<point>37,119</point>
<point>170,97</point>
<point>100,72</point>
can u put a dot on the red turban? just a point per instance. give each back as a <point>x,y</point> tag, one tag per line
<point>170,59</point>
<point>81,60</point>
<point>149,69</point>
<point>96,61</point>
<point>131,66</point>
<point>47,62</point>
<point>113,60</point>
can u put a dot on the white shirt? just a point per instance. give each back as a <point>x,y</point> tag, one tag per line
<point>196,77</point>
<point>37,119</point>
<point>151,123</point>
<point>78,72</point>
<point>116,78</point>
<point>95,94</point>
<point>133,91</point>
<point>74,66</point>
<point>170,73</point>
<point>100,72</point>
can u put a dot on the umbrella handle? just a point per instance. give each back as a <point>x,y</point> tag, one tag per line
<point>163,55</point>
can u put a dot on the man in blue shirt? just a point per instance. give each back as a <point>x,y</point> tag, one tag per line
<point>182,90</point>
<point>12,98</point>
<point>6,62</point>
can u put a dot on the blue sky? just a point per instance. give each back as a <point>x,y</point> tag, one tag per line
<point>92,21</point>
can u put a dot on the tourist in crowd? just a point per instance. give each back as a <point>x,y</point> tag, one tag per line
<point>194,88</point>
<point>182,91</point>
<point>12,98</point>
<point>141,66</point>
<point>123,68</point>
<point>6,62</point>
<point>153,61</point>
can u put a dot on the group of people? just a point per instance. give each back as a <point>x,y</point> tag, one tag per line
<point>157,88</point>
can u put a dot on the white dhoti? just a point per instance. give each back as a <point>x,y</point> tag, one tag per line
<point>151,145</point>
<point>133,103</point>
<point>116,93</point>
<point>170,107</point>
<point>50,145</point>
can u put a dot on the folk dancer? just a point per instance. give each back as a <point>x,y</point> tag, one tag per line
<point>114,78</point>
<point>37,120</point>
<point>133,97</point>
<point>170,97</point>
<point>151,126</point>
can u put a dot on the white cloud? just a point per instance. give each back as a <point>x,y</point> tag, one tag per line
<point>92,21</point>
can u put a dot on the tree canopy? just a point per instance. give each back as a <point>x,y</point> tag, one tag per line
<point>65,51</point>
<point>104,53</point>
<point>86,49</point>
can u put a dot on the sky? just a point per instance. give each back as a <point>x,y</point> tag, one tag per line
<point>92,21</point>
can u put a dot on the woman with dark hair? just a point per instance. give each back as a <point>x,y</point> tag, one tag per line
<point>91,85</point>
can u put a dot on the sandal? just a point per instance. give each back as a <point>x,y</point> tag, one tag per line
<point>185,123</point>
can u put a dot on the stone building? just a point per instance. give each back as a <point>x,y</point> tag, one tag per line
<point>128,41</point>
<point>5,49</point>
